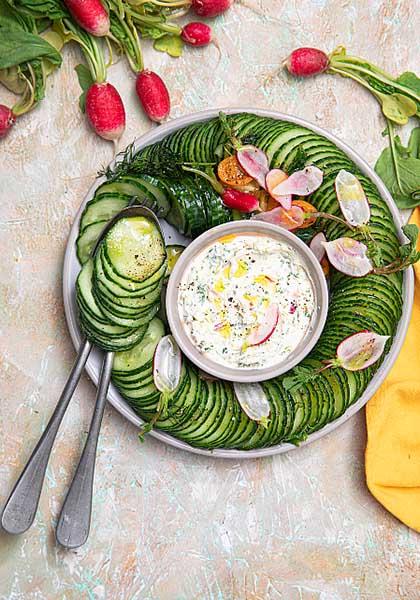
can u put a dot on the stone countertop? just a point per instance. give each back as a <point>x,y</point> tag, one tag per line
<point>167,524</point>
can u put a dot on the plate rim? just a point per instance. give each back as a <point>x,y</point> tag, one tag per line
<point>114,396</point>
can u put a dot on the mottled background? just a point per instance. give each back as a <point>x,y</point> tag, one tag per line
<point>166,524</point>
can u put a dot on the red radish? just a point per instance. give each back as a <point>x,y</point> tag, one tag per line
<point>7,119</point>
<point>210,8</point>
<point>300,183</point>
<point>241,201</point>
<point>90,15</point>
<point>288,219</point>
<point>266,329</point>
<point>153,95</point>
<point>305,62</point>
<point>316,245</point>
<point>105,111</point>
<point>196,34</point>
<point>254,162</point>
<point>272,180</point>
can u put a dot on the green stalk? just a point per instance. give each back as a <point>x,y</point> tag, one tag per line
<point>394,154</point>
<point>375,73</point>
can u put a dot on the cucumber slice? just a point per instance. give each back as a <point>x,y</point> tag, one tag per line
<point>135,248</point>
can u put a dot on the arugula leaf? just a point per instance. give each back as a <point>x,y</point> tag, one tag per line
<point>17,47</point>
<point>85,79</point>
<point>171,44</point>
<point>409,251</point>
<point>399,169</point>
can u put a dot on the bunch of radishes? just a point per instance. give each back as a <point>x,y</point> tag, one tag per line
<point>103,104</point>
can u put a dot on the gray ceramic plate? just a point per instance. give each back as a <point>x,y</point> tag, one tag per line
<point>72,267</point>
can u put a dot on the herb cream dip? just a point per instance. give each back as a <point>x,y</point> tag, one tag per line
<point>246,301</point>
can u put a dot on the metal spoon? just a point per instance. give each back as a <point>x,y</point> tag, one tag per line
<point>74,522</point>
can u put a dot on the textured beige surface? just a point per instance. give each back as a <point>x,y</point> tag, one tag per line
<point>169,525</point>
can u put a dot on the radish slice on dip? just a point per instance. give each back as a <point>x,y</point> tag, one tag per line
<point>317,245</point>
<point>300,183</point>
<point>253,401</point>
<point>272,180</point>
<point>352,199</point>
<point>348,256</point>
<point>360,350</point>
<point>266,328</point>
<point>254,162</point>
<point>167,363</point>
<point>288,219</point>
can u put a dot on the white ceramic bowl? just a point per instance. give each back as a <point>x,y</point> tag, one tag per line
<point>93,366</point>
<point>313,269</point>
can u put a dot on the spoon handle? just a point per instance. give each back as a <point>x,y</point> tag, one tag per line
<point>74,521</point>
<point>19,511</point>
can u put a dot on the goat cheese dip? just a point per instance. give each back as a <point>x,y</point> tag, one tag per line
<point>246,301</point>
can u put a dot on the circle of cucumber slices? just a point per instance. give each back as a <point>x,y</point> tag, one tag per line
<point>204,412</point>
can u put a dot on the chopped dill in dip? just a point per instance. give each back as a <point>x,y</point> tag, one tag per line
<point>246,301</point>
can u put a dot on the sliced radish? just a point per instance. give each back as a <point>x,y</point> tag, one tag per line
<point>352,199</point>
<point>317,247</point>
<point>348,256</point>
<point>254,162</point>
<point>360,350</point>
<point>266,328</point>
<point>300,183</point>
<point>253,401</point>
<point>167,363</point>
<point>241,201</point>
<point>288,219</point>
<point>272,180</point>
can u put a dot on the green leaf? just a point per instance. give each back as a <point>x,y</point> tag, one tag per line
<point>298,377</point>
<point>409,80</point>
<point>85,79</point>
<point>11,19</point>
<point>398,108</point>
<point>402,175</point>
<point>53,9</point>
<point>171,44</point>
<point>17,47</point>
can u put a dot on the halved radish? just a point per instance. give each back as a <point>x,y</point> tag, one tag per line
<point>167,364</point>
<point>266,328</point>
<point>352,199</point>
<point>254,162</point>
<point>360,350</point>
<point>317,245</point>
<point>348,256</point>
<point>272,180</point>
<point>288,219</point>
<point>253,401</point>
<point>300,183</point>
<point>240,201</point>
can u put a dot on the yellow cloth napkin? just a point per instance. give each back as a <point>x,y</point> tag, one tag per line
<point>393,427</point>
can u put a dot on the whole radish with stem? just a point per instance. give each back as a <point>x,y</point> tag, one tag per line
<point>153,95</point>
<point>210,8</point>
<point>91,15</point>
<point>355,353</point>
<point>197,34</point>
<point>105,111</point>
<point>305,62</point>
<point>7,120</point>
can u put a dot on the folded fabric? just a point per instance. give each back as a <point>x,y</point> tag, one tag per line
<point>392,456</point>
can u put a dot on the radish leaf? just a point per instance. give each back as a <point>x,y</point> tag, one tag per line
<point>171,44</point>
<point>85,81</point>
<point>399,169</point>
